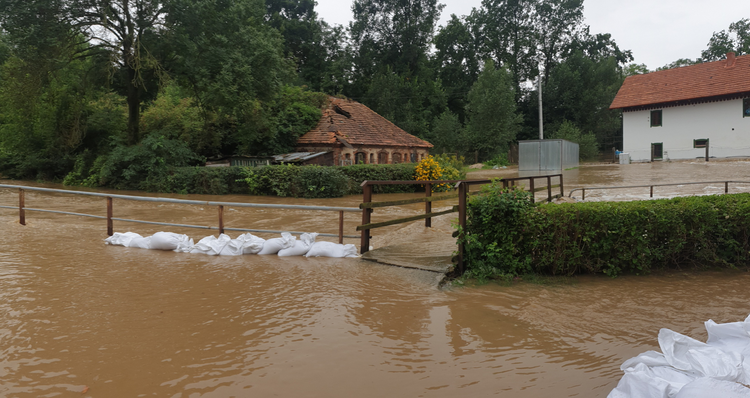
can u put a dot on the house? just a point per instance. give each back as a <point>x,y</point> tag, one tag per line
<point>354,134</point>
<point>687,112</point>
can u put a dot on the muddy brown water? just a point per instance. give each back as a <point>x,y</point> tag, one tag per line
<point>77,315</point>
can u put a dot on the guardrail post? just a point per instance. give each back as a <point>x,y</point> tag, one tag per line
<point>341,226</point>
<point>462,192</point>
<point>428,205</point>
<point>221,219</point>
<point>21,211</point>
<point>366,198</point>
<point>110,227</point>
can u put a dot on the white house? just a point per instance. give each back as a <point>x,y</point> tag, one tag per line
<point>676,113</point>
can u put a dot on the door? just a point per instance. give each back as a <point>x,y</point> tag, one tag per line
<point>657,151</point>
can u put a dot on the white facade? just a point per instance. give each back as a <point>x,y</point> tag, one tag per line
<point>721,122</point>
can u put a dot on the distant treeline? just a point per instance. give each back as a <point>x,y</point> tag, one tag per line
<point>87,86</point>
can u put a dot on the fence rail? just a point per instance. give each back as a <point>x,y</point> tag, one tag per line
<point>22,209</point>
<point>651,186</point>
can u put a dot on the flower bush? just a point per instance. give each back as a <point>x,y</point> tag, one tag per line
<point>429,170</point>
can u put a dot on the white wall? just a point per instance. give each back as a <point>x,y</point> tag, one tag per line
<point>721,122</point>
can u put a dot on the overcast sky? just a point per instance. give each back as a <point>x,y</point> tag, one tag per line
<point>657,31</point>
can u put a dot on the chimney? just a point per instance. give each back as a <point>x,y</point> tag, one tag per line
<point>730,60</point>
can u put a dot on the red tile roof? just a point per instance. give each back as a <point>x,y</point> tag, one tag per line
<point>688,83</point>
<point>352,123</point>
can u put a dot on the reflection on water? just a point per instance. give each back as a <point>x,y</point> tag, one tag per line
<point>75,313</point>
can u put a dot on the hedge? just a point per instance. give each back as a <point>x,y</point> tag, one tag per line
<point>506,235</point>
<point>283,180</point>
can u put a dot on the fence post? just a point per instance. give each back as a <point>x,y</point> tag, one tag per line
<point>341,226</point>
<point>531,187</point>
<point>366,198</point>
<point>583,193</point>
<point>726,186</point>
<point>110,227</point>
<point>221,219</point>
<point>562,191</point>
<point>428,205</point>
<point>21,211</point>
<point>651,195</point>
<point>462,192</point>
<point>549,188</point>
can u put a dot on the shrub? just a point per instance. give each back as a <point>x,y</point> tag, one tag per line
<point>320,182</point>
<point>606,237</point>
<point>380,172</point>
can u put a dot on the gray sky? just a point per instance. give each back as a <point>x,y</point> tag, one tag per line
<point>657,31</point>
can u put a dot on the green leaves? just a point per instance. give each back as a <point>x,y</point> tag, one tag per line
<point>609,238</point>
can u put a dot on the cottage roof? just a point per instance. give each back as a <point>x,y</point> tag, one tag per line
<point>688,84</point>
<point>350,123</point>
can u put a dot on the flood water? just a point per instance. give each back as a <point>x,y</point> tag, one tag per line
<point>76,314</point>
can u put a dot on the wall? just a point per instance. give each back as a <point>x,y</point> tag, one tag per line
<point>721,122</point>
<point>340,159</point>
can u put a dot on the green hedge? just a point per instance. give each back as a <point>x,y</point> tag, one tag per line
<point>506,235</point>
<point>284,180</point>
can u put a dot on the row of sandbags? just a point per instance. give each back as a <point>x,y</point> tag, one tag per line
<point>286,245</point>
<point>688,368</point>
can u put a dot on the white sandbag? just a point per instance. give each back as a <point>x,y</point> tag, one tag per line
<point>141,243</point>
<point>243,244</point>
<point>272,246</point>
<point>330,249</point>
<point>300,246</point>
<point>169,241</point>
<point>211,245</point>
<point>641,382</point>
<point>685,353</point>
<point>705,387</point>
<point>121,239</point>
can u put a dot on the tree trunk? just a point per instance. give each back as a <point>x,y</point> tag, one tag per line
<point>134,107</point>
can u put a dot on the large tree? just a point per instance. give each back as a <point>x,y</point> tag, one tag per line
<point>736,40</point>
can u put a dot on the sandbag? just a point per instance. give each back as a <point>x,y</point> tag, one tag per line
<point>330,249</point>
<point>170,241</point>
<point>688,368</point>
<point>211,245</point>
<point>121,239</point>
<point>243,244</point>
<point>273,246</point>
<point>300,246</point>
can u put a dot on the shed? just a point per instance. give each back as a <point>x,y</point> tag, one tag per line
<point>542,155</point>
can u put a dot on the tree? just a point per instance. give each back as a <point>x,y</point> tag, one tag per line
<point>680,63</point>
<point>491,110</point>
<point>737,40</point>
<point>557,25</point>
<point>391,33</point>
<point>587,146</point>
<point>508,37</point>
<point>456,61</point>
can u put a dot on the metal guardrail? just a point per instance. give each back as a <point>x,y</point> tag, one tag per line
<point>651,186</point>
<point>22,210</point>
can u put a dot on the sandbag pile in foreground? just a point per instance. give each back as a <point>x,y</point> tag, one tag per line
<point>688,368</point>
<point>286,245</point>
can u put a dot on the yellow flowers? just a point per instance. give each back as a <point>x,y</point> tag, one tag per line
<point>429,170</point>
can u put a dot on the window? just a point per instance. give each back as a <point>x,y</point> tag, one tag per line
<point>700,143</point>
<point>746,107</point>
<point>372,158</point>
<point>656,118</point>
<point>383,158</point>
<point>360,157</point>
<point>396,157</point>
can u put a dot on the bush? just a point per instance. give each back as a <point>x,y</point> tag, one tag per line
<point>320,182</point>
<point>380,172</point>
<point>506,236</point>
<point>499,161</point>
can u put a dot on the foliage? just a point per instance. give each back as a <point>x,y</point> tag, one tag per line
<point>736,40</point>
<point>494,232</point>
<point>144,166</point>
<point>612,238</point>
<point>321,182</point>
<point>587,148</point>
<point>428,169</point>
<point>358,173</point>
<point>499,161</point>
<point>491,111</point>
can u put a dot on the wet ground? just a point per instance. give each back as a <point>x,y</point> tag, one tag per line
<point>78,315</point>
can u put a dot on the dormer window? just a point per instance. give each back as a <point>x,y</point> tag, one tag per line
<point>656,118</point>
